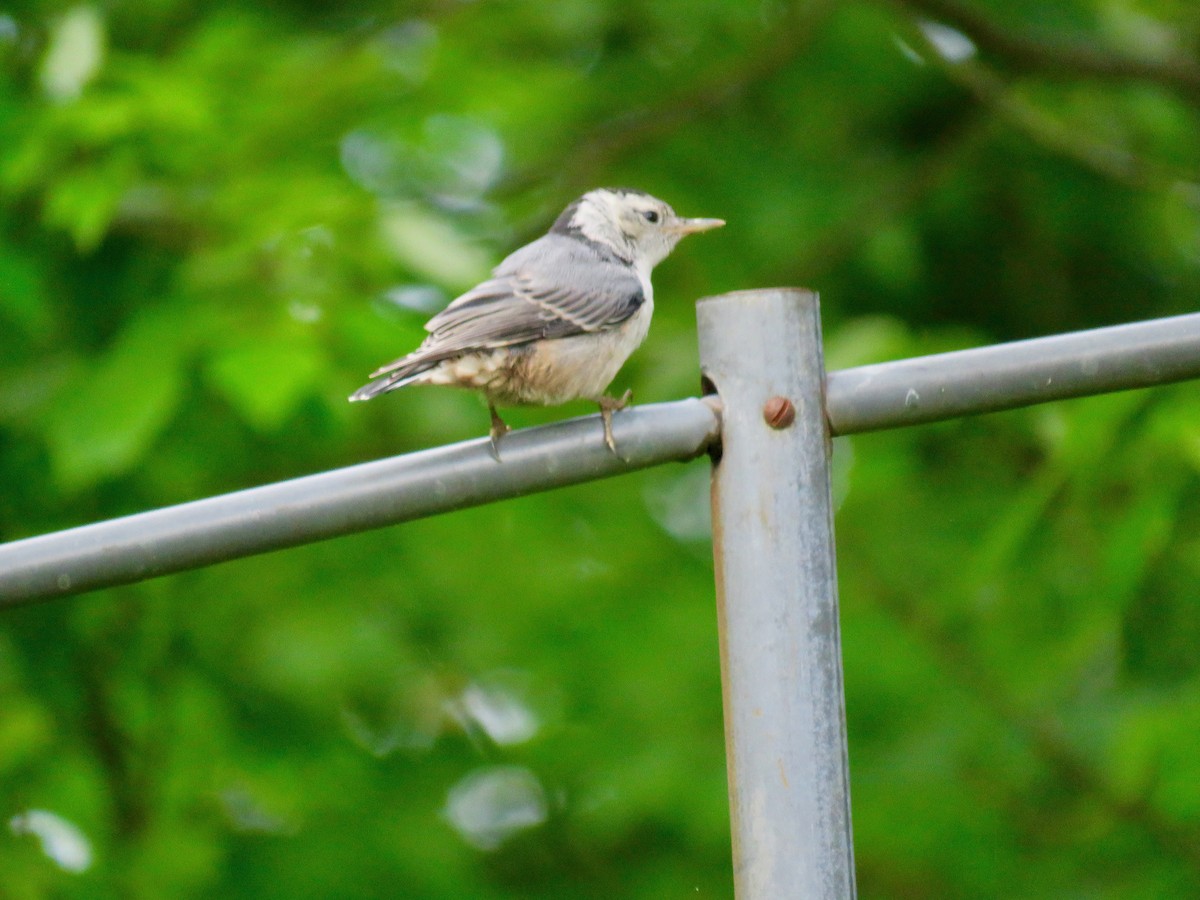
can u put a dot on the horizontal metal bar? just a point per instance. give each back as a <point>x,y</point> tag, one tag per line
<point>1006,376</point>
<point>348,500</point>
<point>868,398</point>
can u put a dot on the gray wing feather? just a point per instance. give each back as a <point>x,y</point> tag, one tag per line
<point>555,287</point>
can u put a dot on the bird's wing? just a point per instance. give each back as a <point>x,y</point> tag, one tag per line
<point>555,287</point>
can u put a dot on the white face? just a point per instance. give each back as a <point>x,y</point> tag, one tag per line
<point>640,228</point>
<point>642,217</point>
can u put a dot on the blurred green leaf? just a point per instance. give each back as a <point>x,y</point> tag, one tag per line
<point>432,248</point>
<point>267,380</point>
<point>85,202</point>
<point>22,298</point>
<point>107,418</point>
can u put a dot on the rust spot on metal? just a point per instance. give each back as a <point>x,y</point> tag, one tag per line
<point>778,412</point>
<point>735,807</point>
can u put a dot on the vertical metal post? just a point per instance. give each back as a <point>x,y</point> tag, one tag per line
<point>785,722</point>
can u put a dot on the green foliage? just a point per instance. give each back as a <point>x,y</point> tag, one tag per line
<point>216,220</point>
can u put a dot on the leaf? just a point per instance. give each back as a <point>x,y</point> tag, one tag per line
<point>85,202</point>
<point>267,380</point>
<point>75,54</point>
<point>431,247</point>
<point>110,414</point>
<point>22,297</point>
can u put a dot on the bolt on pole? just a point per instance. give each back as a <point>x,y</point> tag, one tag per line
<point>781,667</point>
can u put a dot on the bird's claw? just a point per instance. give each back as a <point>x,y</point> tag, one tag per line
<point>606,418</point>
<point>498,430</point>
<point>609,405</point>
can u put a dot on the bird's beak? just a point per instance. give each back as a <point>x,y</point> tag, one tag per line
<point>693,226</point>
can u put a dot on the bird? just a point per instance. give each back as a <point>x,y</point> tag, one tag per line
<point>557,318</point>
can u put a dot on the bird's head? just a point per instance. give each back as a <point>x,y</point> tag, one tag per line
<point>639,228</point>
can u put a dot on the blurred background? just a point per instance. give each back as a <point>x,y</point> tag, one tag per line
<point>217,218</point>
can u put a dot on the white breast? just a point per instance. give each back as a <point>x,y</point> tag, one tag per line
<point>583,366</point>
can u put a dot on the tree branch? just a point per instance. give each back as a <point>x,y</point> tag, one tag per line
<point>598,147</point>
<point>1043,128</point>
<point>1056,57</point>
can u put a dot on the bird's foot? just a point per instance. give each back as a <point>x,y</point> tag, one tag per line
<point>498,430</point>
<point>609,405</point>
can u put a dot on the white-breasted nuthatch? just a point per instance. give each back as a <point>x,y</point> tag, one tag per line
<point>558,317</point>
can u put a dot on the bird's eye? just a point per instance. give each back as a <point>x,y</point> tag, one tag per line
<point>650,215</point>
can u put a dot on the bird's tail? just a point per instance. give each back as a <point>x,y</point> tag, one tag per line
<point>397,375</point>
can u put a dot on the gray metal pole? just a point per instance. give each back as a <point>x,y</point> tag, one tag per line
<point>348,500</point>
<point>1004,376</point>
<point>785,726</point>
